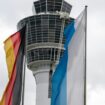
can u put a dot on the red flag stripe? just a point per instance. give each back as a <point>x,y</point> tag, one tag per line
<point>16,40</point>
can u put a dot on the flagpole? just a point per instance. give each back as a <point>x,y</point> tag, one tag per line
<point>23,80</point>
<point>24,71</point>
<point>85,76</point>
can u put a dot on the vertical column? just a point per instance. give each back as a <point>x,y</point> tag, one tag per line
<point>42,84</point>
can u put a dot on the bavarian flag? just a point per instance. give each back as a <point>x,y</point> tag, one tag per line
<point>68,81</point>
<point>14,49</point>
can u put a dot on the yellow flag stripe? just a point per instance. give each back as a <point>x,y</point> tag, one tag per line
<point>10,55</point>
<point>2,102</point>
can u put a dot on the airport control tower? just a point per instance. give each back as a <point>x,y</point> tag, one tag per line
<point>44,42</point>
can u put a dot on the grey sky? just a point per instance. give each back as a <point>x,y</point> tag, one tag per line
<point>11,11</point>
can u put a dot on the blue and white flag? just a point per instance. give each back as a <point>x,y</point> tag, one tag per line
<point>68,78</point>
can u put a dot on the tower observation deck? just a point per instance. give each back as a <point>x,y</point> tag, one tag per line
<point>45,41</point>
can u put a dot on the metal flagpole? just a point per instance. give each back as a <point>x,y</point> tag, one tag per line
<point>24,70</point>
<point>85,81</point>
<point>23,80</point>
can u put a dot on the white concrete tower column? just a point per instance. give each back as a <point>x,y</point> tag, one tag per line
<point>42,86</point>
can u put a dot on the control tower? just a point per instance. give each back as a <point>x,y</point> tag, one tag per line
<point>45,42</point>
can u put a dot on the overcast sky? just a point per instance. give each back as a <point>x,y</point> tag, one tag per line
<point>11,11</point>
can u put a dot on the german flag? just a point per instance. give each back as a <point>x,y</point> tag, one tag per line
<point>14,48</point>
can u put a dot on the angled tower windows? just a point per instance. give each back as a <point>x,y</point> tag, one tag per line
<point>44,30</point>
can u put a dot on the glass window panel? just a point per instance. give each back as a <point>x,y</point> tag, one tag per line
<point>37,5</point>
<point>38,17</point>
<point>44,16</point>
<point>43,4</point>
<point>44,21</point>
<point>45,39</point>
<point>32,22</point>
<point>51,30</point>
<point>50,8</point>
<point>58,1</point>
<point>37,9</point>
<point>52,17</point>
<point>39,40</point>
<point>45,28</point>
<point>43,8</point>
<point>52,21</point>
<point>38,22</point>
<point>31,18</point>
<point>57,8</point>
<point>50,5</point>
<point>38,30</point>
<point>51,39</point>
<point>58,23</point>
<point>56,40</point>
<point>50,0</point>
<point>63,9</point>
<point>39,33</point>
<point>42,0</point>
<point>51,25</point>
<point>58,4</point>
<point>45,35</point>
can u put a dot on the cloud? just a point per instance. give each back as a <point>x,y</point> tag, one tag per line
<point>96,96</point>
<point>12,11</point>
<point>96,50</point>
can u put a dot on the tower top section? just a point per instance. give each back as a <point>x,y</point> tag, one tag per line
<point>51,6</point>
<point>44,33</point>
